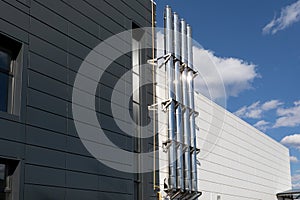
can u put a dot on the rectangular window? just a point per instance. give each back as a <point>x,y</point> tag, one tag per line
<point>2,182</point>
<point>10,75</point>
<point>9,179</point>
<point>5,69</point>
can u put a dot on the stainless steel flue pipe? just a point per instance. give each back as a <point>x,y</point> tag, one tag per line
<point>178,89</point>
<point>171,109</point>
<point>192,106</point>
<point>186,114</point>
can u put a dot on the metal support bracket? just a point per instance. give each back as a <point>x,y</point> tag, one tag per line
<point>192,196</point>
<point>166,104</point>
<point>174,193</point>
<point>154,61</point>
<point>196,114</point>
<point>184,66</point>
<point>166,145</point>
<point>195,149</point>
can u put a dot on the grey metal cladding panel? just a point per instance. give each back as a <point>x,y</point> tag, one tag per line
<point>106,171</point>
<point>114,196</point>
<point>146,4</point>
<point>136,13</point>
<point>74,64</point>
<point>108,78</point>
<point>82,164</point>
<point>115,25</point>
<point>145,12</point>
<point>109,184</point>
<point>71,128</point>
<point>119,70</point>
<point>106,123</point>
<point>120,141</point>
<point>48,34</point>
<point>13,31</point>
<point>74,145</point>
<point>44,176</point>
<point>46,102</point>
<point>46,120</point>
<point>13,15</point>
<point>48,85</point>
<point>39,192</point>
<point>49,17</point>
<point>75,194</point>
<point>82,180</point>
<point>82,36</point>
<point>48,67</point>
<point>11,149</point>
<point>71,15</point>
<point>50,158</point>
<point>79,50</point>
<point>47,50</point>
<point>104,33</point>
<point>108,11</point>
<point>19,4</point>
<point>105,92</point>
<point>24,3</point>
<point>44,138</point>
<point>12,130</point>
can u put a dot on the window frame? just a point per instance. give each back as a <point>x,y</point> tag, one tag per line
<point>14,49</point>
<point>2,190</point>
<point>12,174</point>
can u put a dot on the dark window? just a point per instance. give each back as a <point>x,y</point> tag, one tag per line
<point>5,69</point>
<point>9,179</point>
<point>2,182</point>
<point>10,75</point>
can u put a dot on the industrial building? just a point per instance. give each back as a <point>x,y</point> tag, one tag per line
<point>202,150</point>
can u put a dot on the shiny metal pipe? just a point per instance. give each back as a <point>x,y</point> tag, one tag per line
<point>186,115</point>
<point>192,105</point>
<point>178,92</point>
<point>171,108</point>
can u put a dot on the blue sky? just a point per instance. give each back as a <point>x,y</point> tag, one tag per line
<point>259,41</point>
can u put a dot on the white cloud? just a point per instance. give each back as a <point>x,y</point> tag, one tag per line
<point>218,77</point>
<point>297,103</point>
<point>296,178</point>
<point>262,125</point>
<point>296,185</point>
<point>288,16</point>
<point>294,159</point>
<point>256,110</point>
<point>291,141</point>
<point>288,117</point>
<point>222,76</point>
<point>269,105</point>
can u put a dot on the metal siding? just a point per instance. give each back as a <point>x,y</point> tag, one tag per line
<point>59,35</point>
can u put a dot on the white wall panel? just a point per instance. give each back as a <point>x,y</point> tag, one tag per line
<point>237,161</point>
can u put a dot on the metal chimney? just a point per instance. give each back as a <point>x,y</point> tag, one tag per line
<point>192,106</point>
<point>171,108</point>
<point>178,89</point>
<point>186,115</point>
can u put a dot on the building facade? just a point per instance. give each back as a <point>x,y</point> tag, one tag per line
<point>43,43</point>
<point>236,160</point>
